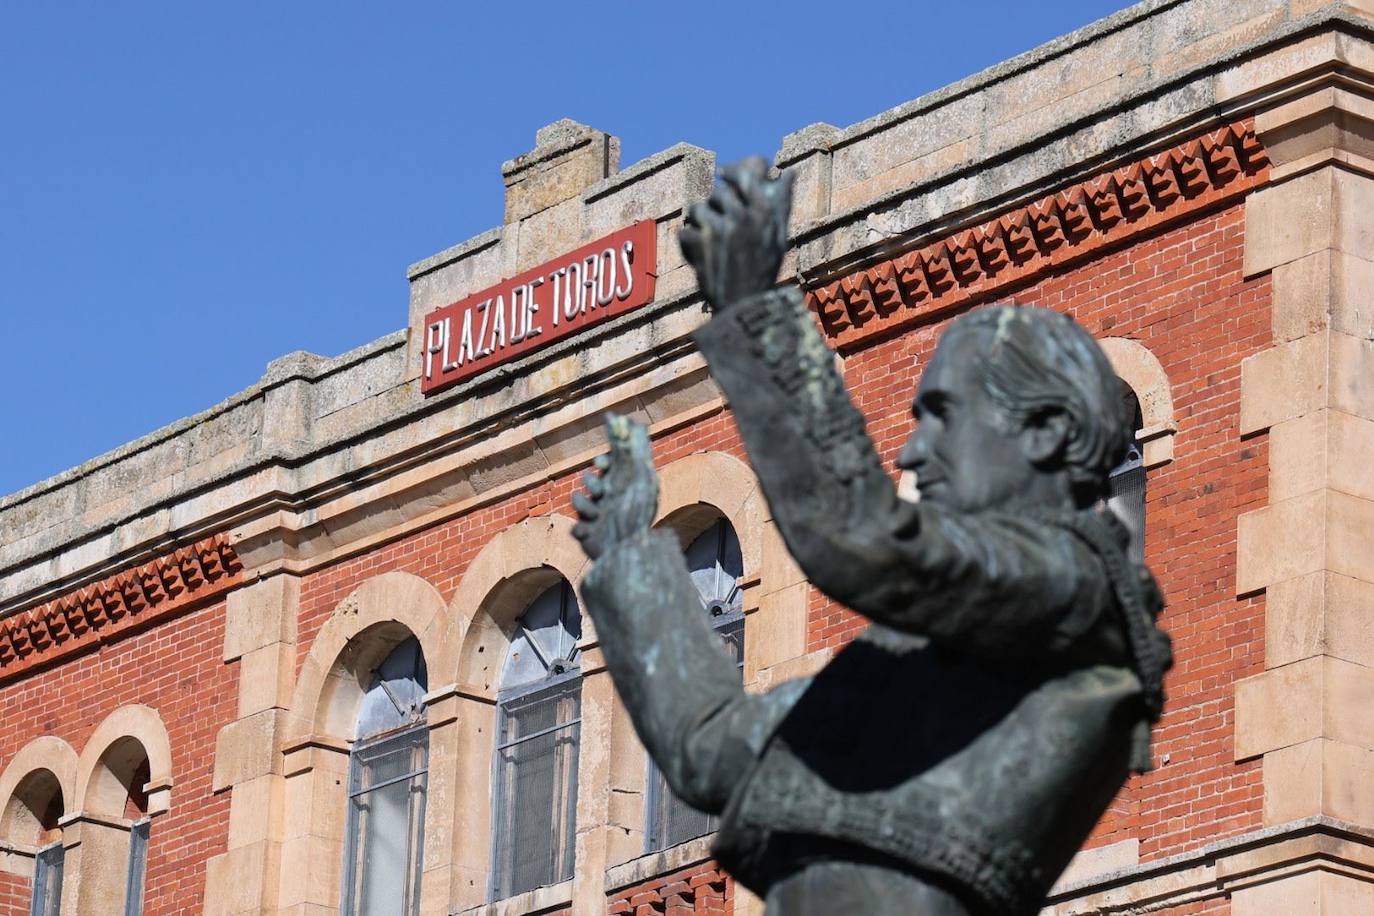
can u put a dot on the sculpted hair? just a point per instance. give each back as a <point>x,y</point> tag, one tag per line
<point>1035,360</point>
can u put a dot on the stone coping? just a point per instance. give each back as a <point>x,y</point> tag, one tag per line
<point>298,364</point>
<point>1316,825</point>
<point>658,863</point>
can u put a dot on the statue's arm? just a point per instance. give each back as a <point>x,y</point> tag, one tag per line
<point>680,688</point>
<point>682,691</point>
<point>824,483</point>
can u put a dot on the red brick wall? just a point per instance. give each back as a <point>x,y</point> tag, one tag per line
<point>176,668</point>
<point>15,894</point>
<point>701,888</point>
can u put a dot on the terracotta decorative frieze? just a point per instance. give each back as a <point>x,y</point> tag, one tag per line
<point>1066,226</point>
<point>129,599</point>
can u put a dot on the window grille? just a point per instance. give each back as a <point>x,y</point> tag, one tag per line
<point>534,806</point>
<point>388,778</point>
<point>138,866</point>
<point>716,565</point>
<point>1126,483</point>
<point>47,881</point>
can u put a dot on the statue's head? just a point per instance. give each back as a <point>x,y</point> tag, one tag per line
<point>1018,406</point>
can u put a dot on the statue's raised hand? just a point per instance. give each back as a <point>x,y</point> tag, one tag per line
<point>736,238</point>
<point>620,500</point>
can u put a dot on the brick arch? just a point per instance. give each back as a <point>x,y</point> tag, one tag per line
<point>706,481</point>
<point>102,785</point>
<point>506,575</point>
<point>45,755</point>
<point>1138,367</point>
<point>369,622</point>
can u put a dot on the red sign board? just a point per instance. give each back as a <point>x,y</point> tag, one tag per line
<point>582,288</point>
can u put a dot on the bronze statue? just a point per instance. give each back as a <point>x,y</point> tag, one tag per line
<point>954,756</point>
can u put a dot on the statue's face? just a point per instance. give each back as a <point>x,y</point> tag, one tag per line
<point>962,454</point>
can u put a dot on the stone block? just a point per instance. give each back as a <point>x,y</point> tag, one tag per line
<point>1279,708</point>
<point>776,632</point>
<point>248,748</point>
<point>243,880</point>
<point>567,159</point>
<point>266,678</point>
<point>315,803</point>
<point>260,614</point>
<point>1088,864</point>
<point>548,234</point>
<point>1352,371</point>
<point>863,155</point>
<point>1324,449</point>
<point>810,187</point>
<point>1324,290</point>
<point>1310,893</point>
<point>657,187</point>
<point>1281,541</point>
<point>778,570</point>
<point>1349,610</point>
<point>1254,73</point>
<point>1319,697</point>
<point>1289,221</point>
<point>315,866</point>
<point>1327,369</point>
<point>1283,382</point>
<point>1347,700</point>
<point>1295,619</point>
<point>1293,782</point>
<point>255,812</point>
<point>1351,520</point>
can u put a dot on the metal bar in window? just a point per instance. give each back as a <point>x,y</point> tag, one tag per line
<point>386,782</point>
<point>539,734</point>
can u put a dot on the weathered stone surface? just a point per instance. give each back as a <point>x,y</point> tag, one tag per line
<point>248,748</point>
<point>261,614</point>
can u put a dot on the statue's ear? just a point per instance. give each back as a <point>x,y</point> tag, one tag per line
<point>1045,437</point>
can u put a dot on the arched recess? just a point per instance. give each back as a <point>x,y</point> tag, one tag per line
<point>374,619</point>
<point>37,786</point>
<point>1138,367</point>
<point>128,756</point>
<point>505,576</point>
<point>512,570</point>
<point>695,490</point>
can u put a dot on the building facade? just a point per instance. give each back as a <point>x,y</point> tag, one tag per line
<point>318,649</point>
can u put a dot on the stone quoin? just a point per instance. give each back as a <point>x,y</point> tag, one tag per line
<point>339,608</point>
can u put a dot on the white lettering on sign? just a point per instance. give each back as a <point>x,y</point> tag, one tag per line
<point>477,332</point>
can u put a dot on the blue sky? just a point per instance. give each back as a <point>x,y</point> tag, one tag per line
<point>189,190</point>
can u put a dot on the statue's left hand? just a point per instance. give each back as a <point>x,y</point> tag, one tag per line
<point>620,501</point>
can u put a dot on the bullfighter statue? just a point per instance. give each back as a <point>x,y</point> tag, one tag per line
<point>952,758</point>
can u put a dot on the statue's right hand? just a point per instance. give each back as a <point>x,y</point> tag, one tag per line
<point>735,239</point>
<point>621,494</point>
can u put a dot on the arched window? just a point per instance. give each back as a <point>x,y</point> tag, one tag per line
<point>386,789</point>
<point>1126,483</point>
<point>31,818</point>
<point>538,716</point>
<point>716,564</point>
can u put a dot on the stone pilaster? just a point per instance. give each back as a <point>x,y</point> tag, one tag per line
<point>260,637</point>
<point>1307,715</point>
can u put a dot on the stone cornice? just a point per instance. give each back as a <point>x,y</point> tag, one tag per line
<point>1078,221</point>
<point>1222,868</point>
<point>116,605</point>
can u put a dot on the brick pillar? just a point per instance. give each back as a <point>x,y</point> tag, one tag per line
<point>260,636</point>
<point>1310,714</point>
